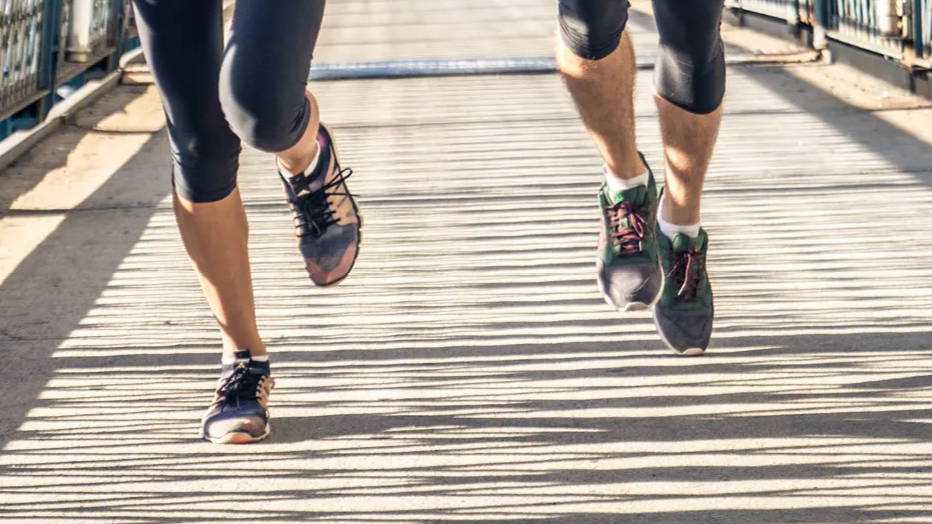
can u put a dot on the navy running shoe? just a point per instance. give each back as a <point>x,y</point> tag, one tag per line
<point>239,412</point>
<point>626,265</point>
<point>684,313</point>
<point>326,218</point>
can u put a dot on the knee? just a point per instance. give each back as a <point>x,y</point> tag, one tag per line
<point>592,28</point>
<point>205,156</point>
<point>693,82</point>
<point>257,114</point>
<point>690,68</point>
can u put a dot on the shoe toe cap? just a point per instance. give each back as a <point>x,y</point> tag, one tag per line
<point>684,331</point>
<point>330,257</point>
<point>251,422</point>
<point>633,283</point>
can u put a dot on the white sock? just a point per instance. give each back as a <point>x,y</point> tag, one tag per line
<point>616,184</point>
<point>670,230</point>
<point>310,169</point>
<point>230,360</point>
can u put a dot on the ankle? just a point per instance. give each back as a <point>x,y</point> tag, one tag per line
<point>617,184</point>
<point>671,220</point>
<point>305,164</point>
<point>632,167</point>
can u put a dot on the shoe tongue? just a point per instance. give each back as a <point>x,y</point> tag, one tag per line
<point>633,194</point>
<point>681,242</point>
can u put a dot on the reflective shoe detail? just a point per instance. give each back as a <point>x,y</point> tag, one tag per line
<point>327,221</point>
<point>239,413</point>
<point>628,272</point>
<point>684,313</point>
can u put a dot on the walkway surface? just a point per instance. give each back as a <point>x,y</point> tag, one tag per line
<point>468,369</point>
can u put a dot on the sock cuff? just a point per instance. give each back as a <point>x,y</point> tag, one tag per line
<point>616,184</point>
<point>670,230</point>
<point>229,360</point>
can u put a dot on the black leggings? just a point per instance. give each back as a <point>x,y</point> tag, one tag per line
<point>690,69</point>
<point>251,90</point>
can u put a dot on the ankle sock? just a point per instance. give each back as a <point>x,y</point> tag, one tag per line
<point>229,360</point>
<point>670,230</point>
<point>616,184</point>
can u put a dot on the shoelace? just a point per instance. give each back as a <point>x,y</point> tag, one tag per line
<point>239,386</point>
<point>314,206</point>
<point>688,270</point>
<point>627,239</point>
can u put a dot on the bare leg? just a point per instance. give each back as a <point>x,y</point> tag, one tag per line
<point>215,235</point>
<point>602,90</point>
<point>688,141</point>
<point>298,157</point>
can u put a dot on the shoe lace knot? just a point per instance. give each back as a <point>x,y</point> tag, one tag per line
<point>628,238</point>
<point>240,386</point>
<point>687,271</point>
<point>314,205</point>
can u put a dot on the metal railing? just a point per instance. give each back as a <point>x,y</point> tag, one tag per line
<point>21,40</point>
<point>878,25</point>
<point>897,29</point>
<point>47,43</point>
<point>922,29</point>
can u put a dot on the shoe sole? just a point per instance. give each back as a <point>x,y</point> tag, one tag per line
<point>336,158</point>
<point>239,437</point>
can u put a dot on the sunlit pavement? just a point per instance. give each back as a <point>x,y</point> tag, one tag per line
<point>468,369</point>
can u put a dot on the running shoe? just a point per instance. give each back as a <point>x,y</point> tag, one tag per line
<point>327,221</point>
<point>628,273</point>
<point>239,413</point>
<point>683,315</point>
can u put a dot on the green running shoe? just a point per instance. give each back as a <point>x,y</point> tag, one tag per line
<point>628,272</point>
<point>683,315</point>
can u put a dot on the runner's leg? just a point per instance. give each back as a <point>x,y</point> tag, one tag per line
<point>264,97</point>
<point>596,58</point>
<point>595,55</point>
<point>183,43</point>
<point>690,81</point>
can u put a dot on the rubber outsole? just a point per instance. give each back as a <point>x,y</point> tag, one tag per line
<point>239,437</point>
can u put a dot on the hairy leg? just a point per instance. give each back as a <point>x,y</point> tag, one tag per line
<point>603,90</point>
<point>688,142</point>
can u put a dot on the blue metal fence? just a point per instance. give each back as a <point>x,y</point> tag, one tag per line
<point>878,25</point>
<point>21,42</point>
<point>897,29</point>
<point>40,51</point>
<point>922,28</point>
